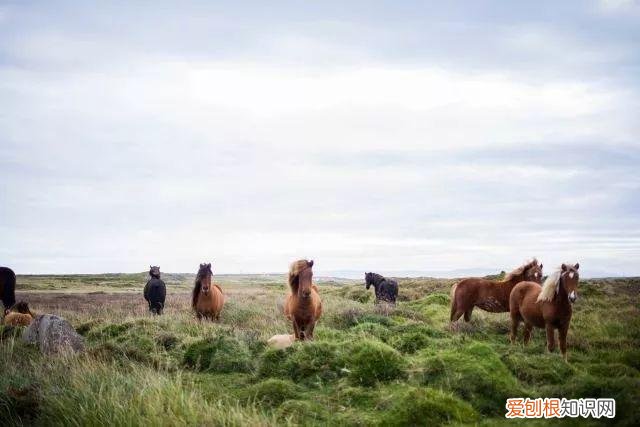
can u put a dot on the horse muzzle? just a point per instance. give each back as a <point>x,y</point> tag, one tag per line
<point>573,296</point>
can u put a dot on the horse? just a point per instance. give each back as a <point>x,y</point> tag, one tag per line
<point>490,295</point>
<point>386,289</point>
<point>19,315</point>
<point>7,288</point>
<point>547,306</point>
<point>155,291</point>
<point>207,298</point>
<point>303,305</point>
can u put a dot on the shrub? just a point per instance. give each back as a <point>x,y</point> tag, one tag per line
<point>426,406</point>
<point>539,368</point>
<point>302,412</point>
<point>167,340</point>
<point>352,316</point>
<point>626,392</point>
<point>315,361</point>
<point>272,362</point>
<point>411,341</point>
<point>220,354</point>
<point>612,370</point>
<point>272,392</point>
<point>375,330</point>
<point>475,373</point>
<point>372,361</point>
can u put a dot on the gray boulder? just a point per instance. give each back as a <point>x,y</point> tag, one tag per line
<point>53,334</point>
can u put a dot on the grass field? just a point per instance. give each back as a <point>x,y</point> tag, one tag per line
<point>366,366</point>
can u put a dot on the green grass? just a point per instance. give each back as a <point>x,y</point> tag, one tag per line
<point>367,366</point>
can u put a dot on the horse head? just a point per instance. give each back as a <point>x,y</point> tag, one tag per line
<point>154,271</point>
<point>305,280</point>
<point>204,277</point>
<point>533,272</point>
<point>569,279</point>
<point>368,280</point>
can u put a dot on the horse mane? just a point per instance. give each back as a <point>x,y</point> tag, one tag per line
<point>205,269</point>
<point>550,286</point>
<point>295,269</point>
<point>519,271</point>
<point>377,278</point>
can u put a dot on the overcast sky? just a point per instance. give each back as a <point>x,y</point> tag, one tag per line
<point>391,136</point>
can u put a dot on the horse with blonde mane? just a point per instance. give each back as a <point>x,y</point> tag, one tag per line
<point>207,298</point>
<point>303,305</point>
<point>547,306</point>
<point>490,295</point>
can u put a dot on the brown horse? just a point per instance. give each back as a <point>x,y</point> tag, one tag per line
<point>490,295</point>
<point>547,306</point>
<point>207,298</point>
<point>303,306</point>
<point>19,315</point>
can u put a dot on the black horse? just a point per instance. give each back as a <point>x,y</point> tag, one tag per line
<point>155,291</point>
<point>7,287</point>
<point>386,289</point>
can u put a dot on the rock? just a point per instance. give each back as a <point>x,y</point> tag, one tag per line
<point>281,341</point>
<point>53,334</point>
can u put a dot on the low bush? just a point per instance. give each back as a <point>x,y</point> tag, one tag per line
<point>475,373</point>
<point>272,392</point>
<point>372,361</point>
<point>219,354</point>
<point>426,406</point>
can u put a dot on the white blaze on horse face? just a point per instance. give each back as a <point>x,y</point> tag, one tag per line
<point>573,296</point>
<point>537,275</point>
<point>571,275</point>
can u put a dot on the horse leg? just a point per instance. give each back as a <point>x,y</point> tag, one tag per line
<point>562,337</point>
<point>528,327</point>
<point>309,330</point>
<point>296,330</point>
<point>515,322</point>
<point>467,314</point>
<point>551,339</point>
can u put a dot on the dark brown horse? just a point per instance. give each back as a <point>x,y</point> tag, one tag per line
<point>490,295</point>
<point>207,298</point>
<point>7,288</point>
<point>303,306</point>
<point>547,306</point>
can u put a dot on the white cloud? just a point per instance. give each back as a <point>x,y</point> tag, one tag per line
<point>113,156</point>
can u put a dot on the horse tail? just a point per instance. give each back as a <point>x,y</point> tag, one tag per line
<point>454,306</point>
<point>195,295</point>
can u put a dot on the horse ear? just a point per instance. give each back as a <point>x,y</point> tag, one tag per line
<point>564,267</point>
<point>310,263</point>
<point>209,265</point>
<point>540,266</point>
<point>577,266</point>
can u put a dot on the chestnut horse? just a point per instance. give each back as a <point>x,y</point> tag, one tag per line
<point>547,306</point>
<point>490,295</point>
<point>7,288</point>
<point>207,298</point>
<point>303,306</point>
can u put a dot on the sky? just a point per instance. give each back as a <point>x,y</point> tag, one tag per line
<point>406,137</point>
